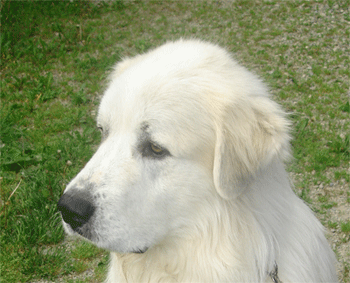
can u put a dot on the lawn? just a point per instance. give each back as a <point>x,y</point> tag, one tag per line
<point>55,58</point>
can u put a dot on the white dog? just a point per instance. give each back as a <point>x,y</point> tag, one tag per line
<point>188,184</point>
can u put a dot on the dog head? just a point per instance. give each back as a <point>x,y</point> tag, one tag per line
<point>181,125</point>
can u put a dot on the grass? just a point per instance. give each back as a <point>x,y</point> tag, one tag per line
<point>55,57</point>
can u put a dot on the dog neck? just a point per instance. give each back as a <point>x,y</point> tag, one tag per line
<point>214,251</point>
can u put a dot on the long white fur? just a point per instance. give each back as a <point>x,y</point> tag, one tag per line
<point>220,208</point>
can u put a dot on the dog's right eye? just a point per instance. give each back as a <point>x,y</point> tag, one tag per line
<point>156,150</point>
<point>100,129</point>
<point>151,149</point>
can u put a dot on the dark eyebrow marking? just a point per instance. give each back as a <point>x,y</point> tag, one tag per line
<point>144,134</point>
<point>144,126</point>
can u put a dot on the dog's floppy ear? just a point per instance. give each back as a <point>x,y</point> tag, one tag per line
<point>249,135</point>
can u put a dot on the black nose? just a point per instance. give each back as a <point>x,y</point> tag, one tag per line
<point>76,208</point>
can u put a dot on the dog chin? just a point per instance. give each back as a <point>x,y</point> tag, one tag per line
<point>69,230</point>
<point>114,246</point>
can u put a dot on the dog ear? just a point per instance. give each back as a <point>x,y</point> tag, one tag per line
<point>250,135</point>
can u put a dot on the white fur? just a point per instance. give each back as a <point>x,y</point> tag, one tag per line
<point>219,207</point>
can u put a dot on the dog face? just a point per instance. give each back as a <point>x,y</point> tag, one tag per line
<point>152,165</point>
<point>179,128</point>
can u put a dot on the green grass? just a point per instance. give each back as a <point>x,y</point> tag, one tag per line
<point>55,57</point>
<point>345,227</point>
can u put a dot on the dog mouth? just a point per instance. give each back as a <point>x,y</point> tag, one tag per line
<point>140,251</point>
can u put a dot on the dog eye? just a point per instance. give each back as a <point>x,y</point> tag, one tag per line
<point>100,129</point>
<point>152,150</point>
<point>157,150</point>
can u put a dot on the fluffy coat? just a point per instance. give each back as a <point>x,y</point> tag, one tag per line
<point>189,183</point>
